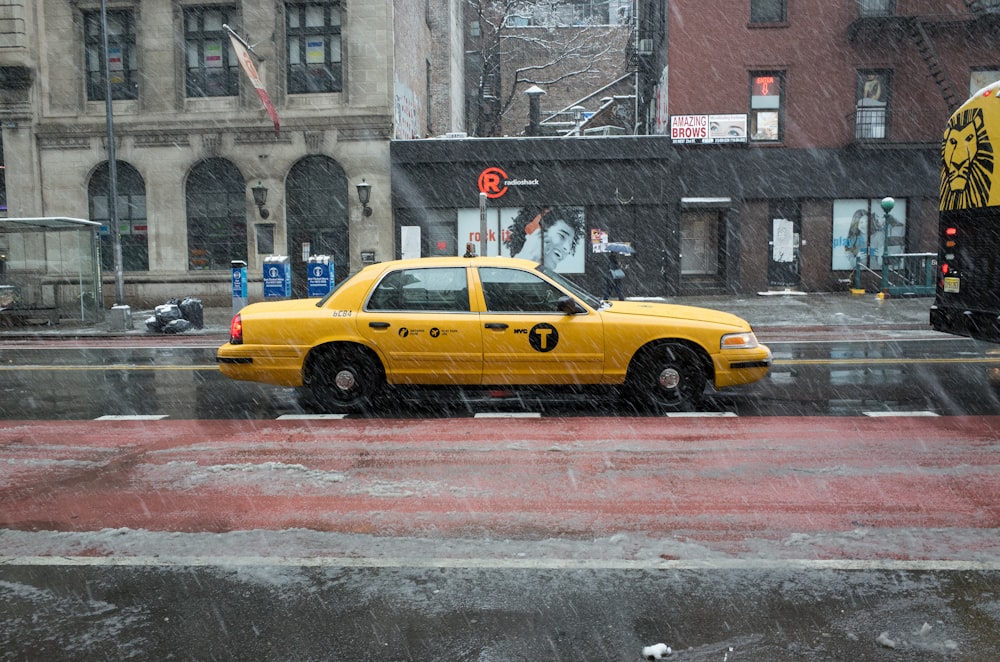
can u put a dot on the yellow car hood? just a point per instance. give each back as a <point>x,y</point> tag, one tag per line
<point>676,312</point>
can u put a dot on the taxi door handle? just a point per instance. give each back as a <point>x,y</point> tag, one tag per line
<point>378,325</point>
<point>498,326</point>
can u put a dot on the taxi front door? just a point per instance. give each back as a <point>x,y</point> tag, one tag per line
<point>527,340</point>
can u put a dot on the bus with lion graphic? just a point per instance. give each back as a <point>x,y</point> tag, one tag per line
<point>967,298</point>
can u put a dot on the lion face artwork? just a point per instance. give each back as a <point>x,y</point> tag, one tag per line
<point>967,157</point>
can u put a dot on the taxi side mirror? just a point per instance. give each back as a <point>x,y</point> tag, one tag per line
<point>570,306</point>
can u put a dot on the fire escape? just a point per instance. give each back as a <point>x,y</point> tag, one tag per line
<point>887,21</point>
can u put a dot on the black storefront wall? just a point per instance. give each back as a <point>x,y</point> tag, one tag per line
<point>636,188</point>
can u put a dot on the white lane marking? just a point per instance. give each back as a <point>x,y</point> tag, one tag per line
<point>133,417</point>
<point>526,563</point>
<point>512,414</point>
<point>701,414</point>
<point>306,417</point>
<point>888,414</point>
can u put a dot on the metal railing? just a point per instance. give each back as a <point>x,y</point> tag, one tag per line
<point>903,273</point>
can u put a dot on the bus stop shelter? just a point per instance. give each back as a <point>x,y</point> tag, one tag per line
<point>50,271</point>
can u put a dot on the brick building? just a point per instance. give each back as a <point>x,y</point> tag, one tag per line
<point>767,135</point>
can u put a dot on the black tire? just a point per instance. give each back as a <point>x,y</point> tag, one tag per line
<point>669,377</point>
<point>344,380</point>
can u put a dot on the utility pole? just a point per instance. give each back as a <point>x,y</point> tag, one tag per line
<point>112,165</point>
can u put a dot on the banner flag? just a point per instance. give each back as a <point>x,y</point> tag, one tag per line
<point>243,54</point>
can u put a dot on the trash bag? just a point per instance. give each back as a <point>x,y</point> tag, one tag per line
<point>177,326</point>
<point>153,324</point>
<point>193,311</point>
<point>167,313</point>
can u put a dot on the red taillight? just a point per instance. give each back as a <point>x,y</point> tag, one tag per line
<point>944,269</point>
<point>236,330</point>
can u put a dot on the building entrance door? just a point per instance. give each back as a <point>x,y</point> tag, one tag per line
<point>700,243</point>
<point>317,218</point>
<point>783,267</point>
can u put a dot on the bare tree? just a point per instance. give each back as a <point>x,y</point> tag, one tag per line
<point>562,46</point>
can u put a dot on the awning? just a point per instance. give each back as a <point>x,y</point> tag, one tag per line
<point>46,224</point>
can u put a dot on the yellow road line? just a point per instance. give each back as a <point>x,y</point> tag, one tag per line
<point>102,368</point>
<point>863,361</point>
<point>877,361</point>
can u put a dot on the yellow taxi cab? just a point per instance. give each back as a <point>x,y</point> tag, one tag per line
<point>491,322</point>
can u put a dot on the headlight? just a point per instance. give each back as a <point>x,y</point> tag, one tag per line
<point>745,340</point>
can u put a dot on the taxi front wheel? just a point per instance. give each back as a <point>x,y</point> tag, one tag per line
<point>668,377</point>
<point>344,379</point>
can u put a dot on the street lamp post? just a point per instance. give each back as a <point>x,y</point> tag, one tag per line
<point>112,165</point>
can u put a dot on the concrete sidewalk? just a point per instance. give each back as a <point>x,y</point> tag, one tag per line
<point>784,311</point>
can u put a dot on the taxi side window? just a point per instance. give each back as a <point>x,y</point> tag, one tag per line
<point>435,289</point>
<point>516,291</point>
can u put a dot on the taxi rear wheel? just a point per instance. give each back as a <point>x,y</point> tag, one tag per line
<point>344,379</point>
<point>668,377</point>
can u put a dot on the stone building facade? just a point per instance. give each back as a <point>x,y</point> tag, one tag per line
<point>192,138</point>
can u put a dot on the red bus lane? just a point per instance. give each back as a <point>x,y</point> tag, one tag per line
<point>925,487</point>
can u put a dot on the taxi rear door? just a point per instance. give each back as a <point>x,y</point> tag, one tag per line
<point>421,321</point>
<point>528,340</point>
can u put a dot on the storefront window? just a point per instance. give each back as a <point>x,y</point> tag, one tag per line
<point>861,229</point>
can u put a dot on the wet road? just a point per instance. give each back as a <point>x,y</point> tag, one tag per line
<point>814,374</point>
<point>845,508</point>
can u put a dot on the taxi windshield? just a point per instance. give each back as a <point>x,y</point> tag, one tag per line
<point>582,294</point>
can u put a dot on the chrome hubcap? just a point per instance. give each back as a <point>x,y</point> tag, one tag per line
<point>345,380</point>
<point>669,378</point>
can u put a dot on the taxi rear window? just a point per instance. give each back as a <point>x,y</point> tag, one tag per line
<point>428,289</point>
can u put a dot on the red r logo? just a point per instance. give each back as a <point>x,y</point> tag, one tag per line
<point>491,182</point>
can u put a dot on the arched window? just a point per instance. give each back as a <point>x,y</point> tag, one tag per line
<point>216,215</point>
<point>316,194</point>
<point>131,212</point>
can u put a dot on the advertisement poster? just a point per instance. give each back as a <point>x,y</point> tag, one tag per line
<point>709,129</point>
<point>554,236</point>
<point>862,229</point>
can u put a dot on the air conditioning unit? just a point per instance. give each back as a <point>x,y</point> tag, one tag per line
<point>645,47</point>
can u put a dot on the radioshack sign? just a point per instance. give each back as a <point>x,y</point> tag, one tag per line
<point>708,129</point>
<point>495,181</point>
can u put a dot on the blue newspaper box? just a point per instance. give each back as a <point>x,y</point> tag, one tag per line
<point>239,285</point>
<point>277,277</point>
<point>319,275</point>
